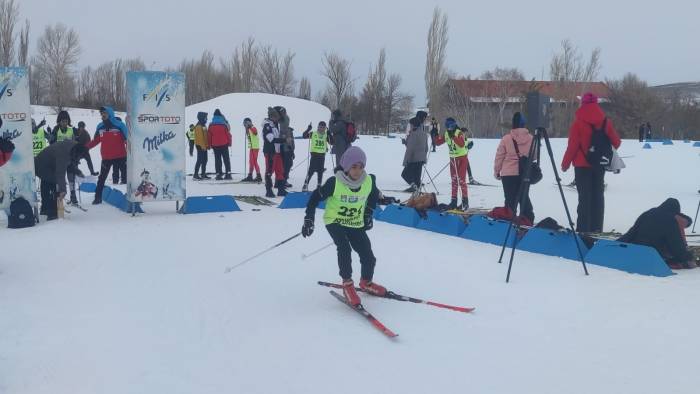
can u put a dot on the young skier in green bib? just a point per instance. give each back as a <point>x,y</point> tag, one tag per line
<point>351,196</point>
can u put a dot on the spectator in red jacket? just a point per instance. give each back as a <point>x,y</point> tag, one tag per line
<point>590,180</point>
<point>112,133</point>
<point>220,140</point>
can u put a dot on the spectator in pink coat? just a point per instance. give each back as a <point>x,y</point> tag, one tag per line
<point>514,145</point>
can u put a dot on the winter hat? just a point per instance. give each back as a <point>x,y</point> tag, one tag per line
<point>589,98</point>
<point>450,123</point>
<point>217,112</point>
<point>351,157</point>
<point>518,120</point>
<point>81,124</point>
<point>322,123</point>
<point>63,115</point>
<point>247,120</point>
<point>421,115</point>
<point>202,117</point>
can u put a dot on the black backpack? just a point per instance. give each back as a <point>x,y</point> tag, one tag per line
<point>535,170</point>
<point>21,214</point>
<point>600,153</point>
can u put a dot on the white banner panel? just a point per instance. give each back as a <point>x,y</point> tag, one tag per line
<point>156,142</point>
<point>16,176</point>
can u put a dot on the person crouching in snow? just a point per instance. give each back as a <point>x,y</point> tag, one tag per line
<point>351,196</point>
<point>457,144</point>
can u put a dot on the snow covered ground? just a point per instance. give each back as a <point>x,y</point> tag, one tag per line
<point>105,303</point>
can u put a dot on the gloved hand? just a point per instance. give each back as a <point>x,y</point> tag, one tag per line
<point>369,220</point>
<point>388,200</point>
<point>308,228</point>
<point>42,123</point>
<point>6,146</point>
<point>470,144</point>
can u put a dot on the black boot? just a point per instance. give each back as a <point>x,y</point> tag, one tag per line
<point>465,203</point>
<point>73,198</point>
<point>228,176</point>
<point>453,204</point>
<point>268,186</point>
<point>249,178</point>
<point>258,178</point>
<point>97,200</point>
<point>280,185</point>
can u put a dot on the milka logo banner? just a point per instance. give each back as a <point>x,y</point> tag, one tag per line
<point>155,118</point>
<point>16,176</point>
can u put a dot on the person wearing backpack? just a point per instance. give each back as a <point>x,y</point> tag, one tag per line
<point>591,137</point>
<point>339,136</point>
<point>506,166</point>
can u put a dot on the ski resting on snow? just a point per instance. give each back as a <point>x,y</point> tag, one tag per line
<point>362,311</point>
<point>398,297</point>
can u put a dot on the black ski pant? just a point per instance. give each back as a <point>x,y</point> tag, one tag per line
<point>221,154</point>
<point>191,146</point>
<point>511,186</point>
<point>590,185</point>
<point>49,199</point>
<point>104,171</point>
<point>202,158</point>
<point>317,163</point>
<point>287,162</point>
<point>346,240</point>
<point>118,169</point>
<point>88,160</point>
<point>412,173</point>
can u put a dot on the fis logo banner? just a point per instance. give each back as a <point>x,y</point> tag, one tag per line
<point>156,139</point>
<point>16,176</point>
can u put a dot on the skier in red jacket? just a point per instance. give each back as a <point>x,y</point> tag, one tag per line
<point>590,180</point>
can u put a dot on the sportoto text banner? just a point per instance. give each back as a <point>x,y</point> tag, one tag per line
<point>156,122</point>
<point>16,176</point>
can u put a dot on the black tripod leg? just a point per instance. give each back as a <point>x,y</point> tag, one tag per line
<point>543,132</point>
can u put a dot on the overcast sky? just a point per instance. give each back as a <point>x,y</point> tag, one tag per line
<point>658,41</point>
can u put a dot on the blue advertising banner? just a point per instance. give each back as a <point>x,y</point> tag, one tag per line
<point>157,141</point>
<point>17,175</point>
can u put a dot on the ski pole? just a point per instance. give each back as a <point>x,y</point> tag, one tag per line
<point>696,217</point>
<point>302,162</point>
<point>306,256</point>
<point>431,180</point>
<point>441,170</point>
<point>231,268</point>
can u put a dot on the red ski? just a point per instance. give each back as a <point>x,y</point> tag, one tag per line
<point>361,310</point>
<point>393,296</point>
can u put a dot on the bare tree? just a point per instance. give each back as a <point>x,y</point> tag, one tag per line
<point>340,82</point>
<point>241,67</point>
<point>58,50</point>
<point>23,55</point>
<point>304,89</point>
<point>276,72</point>
<point>9,13</point>
<point>504,82</point>
<point>396,102</point>
<point>435,71</point>
<point>567,68</point>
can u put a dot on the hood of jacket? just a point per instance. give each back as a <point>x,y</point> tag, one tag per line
<point>218,119</point>
<point>591,114</point>
<point>520,135</point>
<point>671,205</point>
<point>114,121</point>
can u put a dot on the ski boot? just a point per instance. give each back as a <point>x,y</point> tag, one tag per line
<point>205,176</point>
<point>411,188</point>
<point>219,176</point>
<point>453,204</point>
<point>372,288</point>
<point>228,176</point>
<point>196,177</point>
<point>73,198</point>
<point>268,187</point>
<point>258,178</point>
<point>97,201</point>
<point>287,185</point>
<point>465,203</point>
<point>249,178</point>
<point>350,293</point>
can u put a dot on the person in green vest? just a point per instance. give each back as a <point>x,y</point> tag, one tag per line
<point>253,141</point>
<point>318,146</point>
<point>190,139</point>
<point>63,130</point>
<point>457,144</point>
<point>351,196</point>
<point>39,140</point>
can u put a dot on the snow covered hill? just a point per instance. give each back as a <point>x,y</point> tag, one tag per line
<point>105,303</point>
